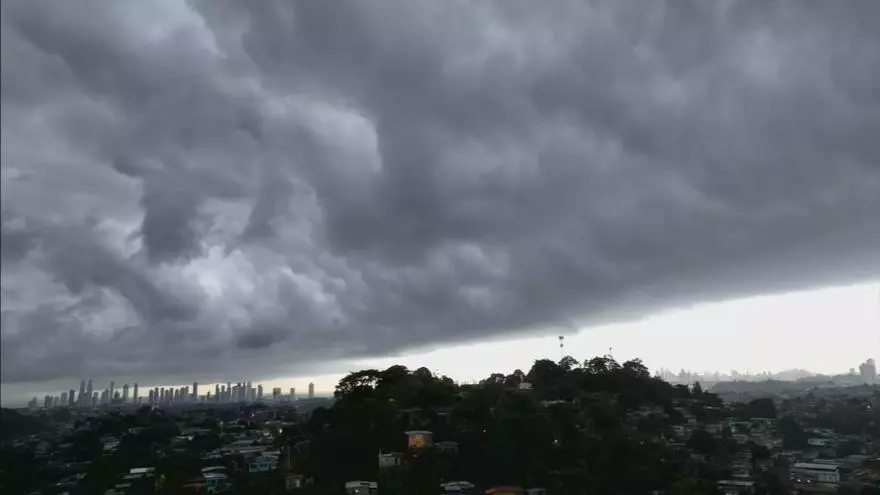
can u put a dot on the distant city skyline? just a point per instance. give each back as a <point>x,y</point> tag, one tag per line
<point>825,331</point>
<point>163,395</point>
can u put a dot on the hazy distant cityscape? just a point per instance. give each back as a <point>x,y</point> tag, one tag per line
<point>245,392</point>
<point>239,392</point>
<point>865,373</point>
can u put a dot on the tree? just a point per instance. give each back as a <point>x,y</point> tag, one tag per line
<point>793,435</point>
<point>495,380</point>
<point>358,381</point>
<point>703,442</point>
<point>762,408</point>
<point>568,363</point>
<point>515,379</point>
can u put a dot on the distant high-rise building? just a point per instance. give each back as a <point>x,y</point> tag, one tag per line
<point>227,397</point>
<point>868,371</point>
<point>292,393</point>
<point>112,389</point>
<point>125,393</point>
<point>195,390</point>
<point>276,393</point>
<point>90,393</point>
<point>64,398</point>
<point>94,399</point>
<point>311,390</point>
<point>135,397</point>
<point>82,392</point>
<point>259,392</point>
<point>32,404</point>
<point>217,392</point>
<point>71,397</point>
<point>47,402</point>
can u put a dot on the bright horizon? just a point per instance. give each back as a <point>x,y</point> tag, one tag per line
<point>823,331</point>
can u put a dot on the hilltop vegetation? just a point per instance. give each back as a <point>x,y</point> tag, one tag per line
<point>565,430</point>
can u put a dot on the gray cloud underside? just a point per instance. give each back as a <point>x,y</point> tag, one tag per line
<point>218,187</point>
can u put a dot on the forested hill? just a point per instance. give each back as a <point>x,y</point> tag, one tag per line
<point>574,427</point>
<point>14,425</point>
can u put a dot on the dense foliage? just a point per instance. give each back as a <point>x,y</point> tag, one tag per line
<point>566,430</point>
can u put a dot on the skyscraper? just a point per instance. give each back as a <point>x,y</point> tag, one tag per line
<point>292,393</point>
<point>71,398</point>
<point>63,398</point>
<point>125,393</point>
<point>217,392</point>
<point>311,390</point>
<point>82,393</point>
<point>195,394</point>
<point>134,396</point>
<point>111,389</point>
<point>259,392</point>
<point>90,394</point>
<point>868,371</point>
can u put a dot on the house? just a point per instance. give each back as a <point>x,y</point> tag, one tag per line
<point>815,472</point>
<point>736,487</point>
<point>447,446</point>
<point>392,459</point>
<point>263,464</point>
<point>141,472</point>
<point>419,439</point>
<point>215,482</point>
<point>457,487</point>
<point>361,488</point>
<point>294,482</point>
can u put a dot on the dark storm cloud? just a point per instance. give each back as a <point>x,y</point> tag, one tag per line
<point>219,188</point>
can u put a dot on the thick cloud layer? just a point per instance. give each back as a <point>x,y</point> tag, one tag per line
<point>215,188</point>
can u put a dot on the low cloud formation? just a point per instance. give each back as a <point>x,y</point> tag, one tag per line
<point>221,189</point>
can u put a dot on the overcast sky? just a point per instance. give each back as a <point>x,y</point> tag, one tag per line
<point>215,190</point>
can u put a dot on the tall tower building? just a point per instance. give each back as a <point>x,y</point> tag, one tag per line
<point>90,393</point>
<point>868,372</point>
<point>134,396</point>
<point>63,398</point>
<point>217,392</point>
<point>82,392</point>
<point>311,390</point>
<point>292,393</point>
<point>111,389</point>
<point>125,393</point>
<point>195,394</point>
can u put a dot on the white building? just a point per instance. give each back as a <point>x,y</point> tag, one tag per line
<point>457,487</point>
<point>215,482</point>
<point>263,463</point>
<point>362,488</point>
<point>815,472</point>
<point>392,459</point>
